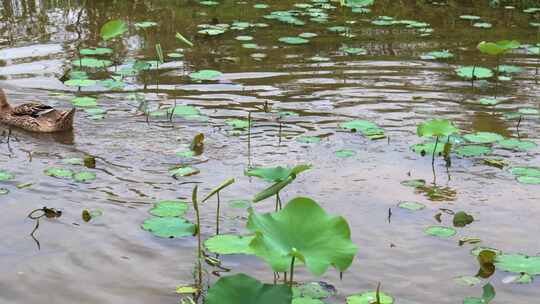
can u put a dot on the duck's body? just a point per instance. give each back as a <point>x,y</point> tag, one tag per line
<point>35,117</point>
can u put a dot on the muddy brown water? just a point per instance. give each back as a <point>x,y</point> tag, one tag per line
<point>112,260</point>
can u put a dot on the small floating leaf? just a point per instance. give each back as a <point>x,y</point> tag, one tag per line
<point>84,177</point>
<point>206,75</point>
<point>5,175</point>
<point>169,208</point>
<point>483,137</point>
<point>59,172</point>
<point>293,40</point>
<point>370,297</point>
<point>84,101</point>
<point>169,227</point>
<point>183,171</point>
<point>241,288</point>
<point>440,231</point>
<point>345,153</point>
<point>516,144</point>
<point>470,72</point>
<point>462,219</point>
<point>472,150</point>
<point>229,244</point>
<point>413,206</point>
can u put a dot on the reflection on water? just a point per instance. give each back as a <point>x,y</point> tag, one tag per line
<point>318,87</point>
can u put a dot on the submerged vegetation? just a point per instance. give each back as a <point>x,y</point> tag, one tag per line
<point>165,83</point>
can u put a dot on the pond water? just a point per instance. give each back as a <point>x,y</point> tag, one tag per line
<point>322,84</point>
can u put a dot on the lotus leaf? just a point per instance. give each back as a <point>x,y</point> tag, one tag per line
<point>91,62</point>
<point>293,40</point>
<point>5,176</point>
<point>206,75</point>
<point>169,208</point>
<point>271,174</point>
<point>370,297</point>
<point>80,82</point>
<point>497,48</point>
<point>436,128</point>
<point>242,289</point>
<point>510,69</point>
<point>318,243</point>
<point>483,137</point>
<point>345,153</point>
<point>414,183</point>
<point>169,227</point>
<point>308,35</point>
<point>84,176</point>
<point>516,144</point>
<point>237,123</point>
<point>470,72</point>
<point>59,172</point>
<point>428,148</point>
<point>184,111</point>
<point>445,54</point>
<point>468,280</point>
<point>531,180</point>
<point>441,231</point>
<point>413,206</point>
<point>472,150</point>
<point>314,290</point>
<point>528,111</point>
<point>183,171</point>
<point>96,51</point>
<point>462,219</point>
<point>113,29</point>
<point>239,204</point>
<point>308,139</point>
<point>229,244</point>
<point>145,24</point>
<point>4,191</point>
<point>518,263</point>
<point>84,101</point>
<point>303,300</point>
<point>488,101</point>
<point>353,51</point>
<point>483,25</point>
<point>487,295</point>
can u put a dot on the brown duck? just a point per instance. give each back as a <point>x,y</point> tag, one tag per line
<point>35,117</point>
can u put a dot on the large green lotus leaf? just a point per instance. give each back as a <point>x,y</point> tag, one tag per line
<point>510,69</point>
<point>243,289</point>
<point>370,297</point>
<point>80,82</point>
<point>529,180</point>
<point>169,227</point>
<point>319,242</point>
<point>436,128</point>
<point>516,144</point>
<point>5,176</point>
<point>518,263</point>
<point>169,208</point>
<point>229,244</point>
<point>445,54</point>
<point>469,72</point>
<point>488,294</point>
<point>113,29</point>
<point>483,137</point>
<point>472,150</point>
<point>273,174</point>
<point>358,125</point>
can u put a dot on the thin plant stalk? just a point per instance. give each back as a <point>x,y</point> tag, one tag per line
<point>249,139</point>
<point>217,213</point>
<point>434,151</point>
<point>497,77</point>
<point>292,271</point>
<point>199,242</point>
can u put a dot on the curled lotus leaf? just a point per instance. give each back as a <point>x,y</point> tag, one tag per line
<point>243,289</point>
<point>319,243</point>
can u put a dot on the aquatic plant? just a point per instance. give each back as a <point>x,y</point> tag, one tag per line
<point>215,192</point>
<point>243,289</point>
<point>436,128</point>
<point>497,49</point>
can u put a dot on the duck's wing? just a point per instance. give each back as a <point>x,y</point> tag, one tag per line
<point>32,109</point>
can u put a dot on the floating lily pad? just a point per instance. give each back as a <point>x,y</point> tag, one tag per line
<point>484,25</point>
<point>5,176</point>
<point>206,75</point>
<point>412,206</point>
<point>74,161</point>
<point>518,263</point>
<point>483,137</point>
<point>436,128</point>
<point>96,51</point>
<point>293,40</point>
<point>169,208</point>
<point>369,298</point>
<point>84,101</point>
<point>229,244</point>
<point>489,101</point>
<point>145,24</point>
<point>169,227</point>
<point>112,29</point>
<point>510,69</point>
<point>469,72</point>
<point>462,219</point>
<point>414,183</point>
<point>270,174</point>
<point>472,150</point>
<point>516,144</point>
<point>353,50</point>
<point>183,171</point>
<point>4,191</point>
<point>80,82</point>
<point>314,290</point>
<point>437,55</point>
<point>84,177</point>
<point>529,111</point>
<point>91,62</point>
<point>367,128</point>
<point>184,111</point>
<point>440,231</point>
<point>308,35</point>
<point>469,17</point>
<point>427,148</point>
<point>303,300</point>
<point>530,180</point>
<point>59,172</point>
<point>345,153</point>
